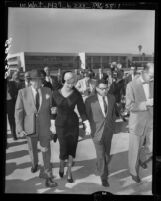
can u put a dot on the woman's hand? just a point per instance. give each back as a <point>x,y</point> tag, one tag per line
<point>87,127</point>
<point>52,127</point>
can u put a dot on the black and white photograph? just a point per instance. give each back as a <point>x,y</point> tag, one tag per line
<point>79,99</point>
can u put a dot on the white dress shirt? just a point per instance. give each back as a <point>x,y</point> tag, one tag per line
<point>34,94</point>
<point>100,99</point>
<point>146,88</point>
<point>48,79</point>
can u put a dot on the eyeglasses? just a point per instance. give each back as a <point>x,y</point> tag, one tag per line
<point>103,88</point>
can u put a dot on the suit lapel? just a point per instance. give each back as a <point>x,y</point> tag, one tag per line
<point>98,106</point>
<point>109,104</point>
<point>140,89</point>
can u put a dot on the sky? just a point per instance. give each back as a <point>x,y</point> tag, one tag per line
<point>81,30</point>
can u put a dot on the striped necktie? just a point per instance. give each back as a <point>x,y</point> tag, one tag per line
<point>105,105</point>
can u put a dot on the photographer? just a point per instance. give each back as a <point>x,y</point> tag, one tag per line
<point>117,89</point>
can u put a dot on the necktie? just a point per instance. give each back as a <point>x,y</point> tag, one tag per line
<point>37,99</point>
<point>105,105</point>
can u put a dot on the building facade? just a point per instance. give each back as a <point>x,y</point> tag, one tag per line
<point>71,61</point>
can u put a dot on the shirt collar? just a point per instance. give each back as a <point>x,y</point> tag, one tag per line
<point>101,97</point>
<point>34,90</point>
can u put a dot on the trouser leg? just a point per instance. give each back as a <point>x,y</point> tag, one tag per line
<point>100,161</point>
<point>11,118</point>
<point>147,149</point>
<point>46,155</point>
<point>106,141</point>
<point>135,143</point>
<point>33,152</point>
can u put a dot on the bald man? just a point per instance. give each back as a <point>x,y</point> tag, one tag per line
<point>139,101</point>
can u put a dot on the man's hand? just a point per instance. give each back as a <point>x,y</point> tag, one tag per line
<point>53,110</point>
<point>52,127</point>
<point>22,134</point>
<point>149,102</point>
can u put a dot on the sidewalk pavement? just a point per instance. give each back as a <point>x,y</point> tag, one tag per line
<point>19,178</point>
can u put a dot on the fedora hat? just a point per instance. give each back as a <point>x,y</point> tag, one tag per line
<point>35,73</point>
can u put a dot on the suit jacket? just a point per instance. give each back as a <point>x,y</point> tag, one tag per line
<point>129,78</point>
<point>100,125</point>
<point>118,90</point>
<point>13,88</point>
<point>55,83</point>
<point>47,84</point>
<point>25,108</point>
<point>140,115</point>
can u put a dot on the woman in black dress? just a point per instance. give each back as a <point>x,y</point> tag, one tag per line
<point>67,123</point>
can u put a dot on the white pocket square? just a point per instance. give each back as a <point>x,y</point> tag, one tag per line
<point>47,96</point>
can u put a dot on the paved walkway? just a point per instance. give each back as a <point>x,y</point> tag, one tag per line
<point>19,178</point>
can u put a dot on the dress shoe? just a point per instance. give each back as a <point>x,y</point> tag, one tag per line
<point>124,119</point>
<point>70,180</point>
<point>61,174</point>
<point>15,138</point>
<point>105,183</point>
<point>136,178</point>
<point>34,169</point>
<point>143,165</point>
<point>50,183</point>
<point>69,177</point>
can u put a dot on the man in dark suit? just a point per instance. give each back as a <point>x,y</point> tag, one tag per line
<point>139,101</point>
<point>101,114</point>
<point>44,82</point>
<point>33,115</point>
<point>118,89</point>
<point>13,87</point>
<point>51,79</point>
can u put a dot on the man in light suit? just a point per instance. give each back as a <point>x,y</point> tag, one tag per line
<point>101,115</point>
<point>33,106</point>
<point>139,101</point>
<point>86,85</point>
<point>132,74</point>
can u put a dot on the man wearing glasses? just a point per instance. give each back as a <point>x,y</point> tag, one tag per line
<point>101,115</point>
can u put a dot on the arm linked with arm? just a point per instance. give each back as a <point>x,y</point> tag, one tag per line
<point>81,108</point>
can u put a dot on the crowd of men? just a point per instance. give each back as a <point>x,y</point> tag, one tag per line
<point>86,80</point>
<point>133,98</point>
